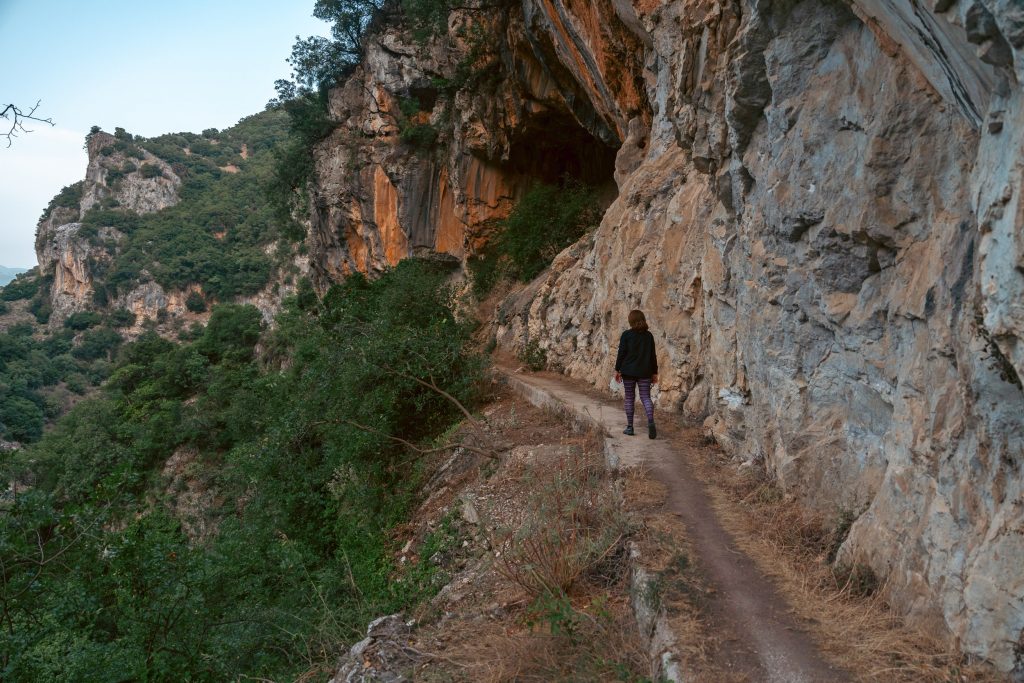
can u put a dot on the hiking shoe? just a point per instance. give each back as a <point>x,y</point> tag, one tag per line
<point>628,431</point>
<point>651,431</point>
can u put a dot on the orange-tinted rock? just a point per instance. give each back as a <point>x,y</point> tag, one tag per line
<point>385,215</point>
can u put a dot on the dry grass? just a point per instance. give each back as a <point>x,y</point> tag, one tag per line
<point>572,527</point>
<point>567,557</point>
<point>595,640</point>
<point>843,605</point>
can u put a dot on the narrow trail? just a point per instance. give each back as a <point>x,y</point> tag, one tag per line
<point>768,644</point>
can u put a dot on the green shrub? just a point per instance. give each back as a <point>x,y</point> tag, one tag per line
<point>421,136</point>
<point>121,318</point>
<point>125,221</point>
<point>97,344</point>
<point>40,308</point>
<point>24,286</point>
<point>544,222</point>
<point>20,419</point>
<point>77,383</point>
<point>534,356</point>
<point>427,18</point>
<point>486,269</point>
<point>69,197</point>
<point>151,171</point>
<point>83,320</point>
<point>4,308</point>
<point>195,302</point>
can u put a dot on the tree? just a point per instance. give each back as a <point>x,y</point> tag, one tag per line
<point>17,118</point>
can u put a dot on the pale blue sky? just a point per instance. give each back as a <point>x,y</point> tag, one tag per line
<point>150,67</point>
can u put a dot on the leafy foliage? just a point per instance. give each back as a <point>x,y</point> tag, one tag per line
<point>294,444</point>
<point>31,371</point>
<point>545,221</point>
<point>23,286</point>
<point>83,320</point>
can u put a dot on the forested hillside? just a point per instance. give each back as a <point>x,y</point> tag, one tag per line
<point>113,265</point>
<point>214,512</point>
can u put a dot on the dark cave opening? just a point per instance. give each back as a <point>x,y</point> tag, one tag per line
<point>554,148</point>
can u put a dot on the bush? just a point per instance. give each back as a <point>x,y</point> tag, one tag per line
<point>121,318</point>
<point>544,222</point>
<point>21,419</point>
<point>97,344</point>
<point>421,136</point>
<point>4,308</point>
<point>69,197</point>
<point>83,320</point>
<point>534,356</point>
<point>24,286</point>
<point>41,308</point>
<point>151,171</point>
<point>195,302</point>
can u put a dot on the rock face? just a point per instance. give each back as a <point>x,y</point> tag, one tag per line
<point>127,177</point>
<point>818,209</point>
<point>112,178</point>
<point>115,177</point>
<point>822,222</point>
<point>522,116</point>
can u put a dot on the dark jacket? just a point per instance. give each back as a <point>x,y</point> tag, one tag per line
<point>636,354</point>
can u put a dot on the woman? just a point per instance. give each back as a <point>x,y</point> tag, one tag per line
<point>637,366</point>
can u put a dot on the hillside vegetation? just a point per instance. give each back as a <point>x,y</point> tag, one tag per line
<point>213,514</point>
<point>217,235</point>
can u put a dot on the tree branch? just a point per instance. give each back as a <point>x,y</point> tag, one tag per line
<point>18,117</point>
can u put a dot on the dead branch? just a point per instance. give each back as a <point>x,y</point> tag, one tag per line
<point>18,117</point>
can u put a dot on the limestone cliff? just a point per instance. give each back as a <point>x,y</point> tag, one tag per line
<point>817,207</point>
<point>78,240</point>
<point>112,179</point>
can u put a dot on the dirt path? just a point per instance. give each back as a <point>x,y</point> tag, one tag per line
<point>767,643</point>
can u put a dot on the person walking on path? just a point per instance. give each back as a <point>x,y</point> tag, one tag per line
<point>636,367</point>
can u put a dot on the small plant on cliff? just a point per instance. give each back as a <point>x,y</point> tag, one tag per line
<point>534,356</point>
<point>545,221</point>
<point>151,171</point>
<point>83,320</point>
<point>195,302</point>
<point>422,135</point>
<point>69,197</point>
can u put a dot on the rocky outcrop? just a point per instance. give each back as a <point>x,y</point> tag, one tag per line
<point>70,259</point>
<point>117,177</point>
<point>524,117</point>
<point>821,221</point>
<point>122,175</point>
<point>114,178</point>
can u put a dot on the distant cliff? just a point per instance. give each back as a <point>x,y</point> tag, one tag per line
<point>817,207</point>
<point>165,227</point>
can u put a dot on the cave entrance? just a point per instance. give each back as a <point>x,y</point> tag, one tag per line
<point>555,149</point>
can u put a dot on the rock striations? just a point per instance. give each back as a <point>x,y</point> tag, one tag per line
<point>818,207</point>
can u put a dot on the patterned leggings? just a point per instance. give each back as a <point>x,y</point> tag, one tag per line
<point>644,384</point>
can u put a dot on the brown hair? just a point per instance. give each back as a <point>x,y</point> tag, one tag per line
<point>637,321</point>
